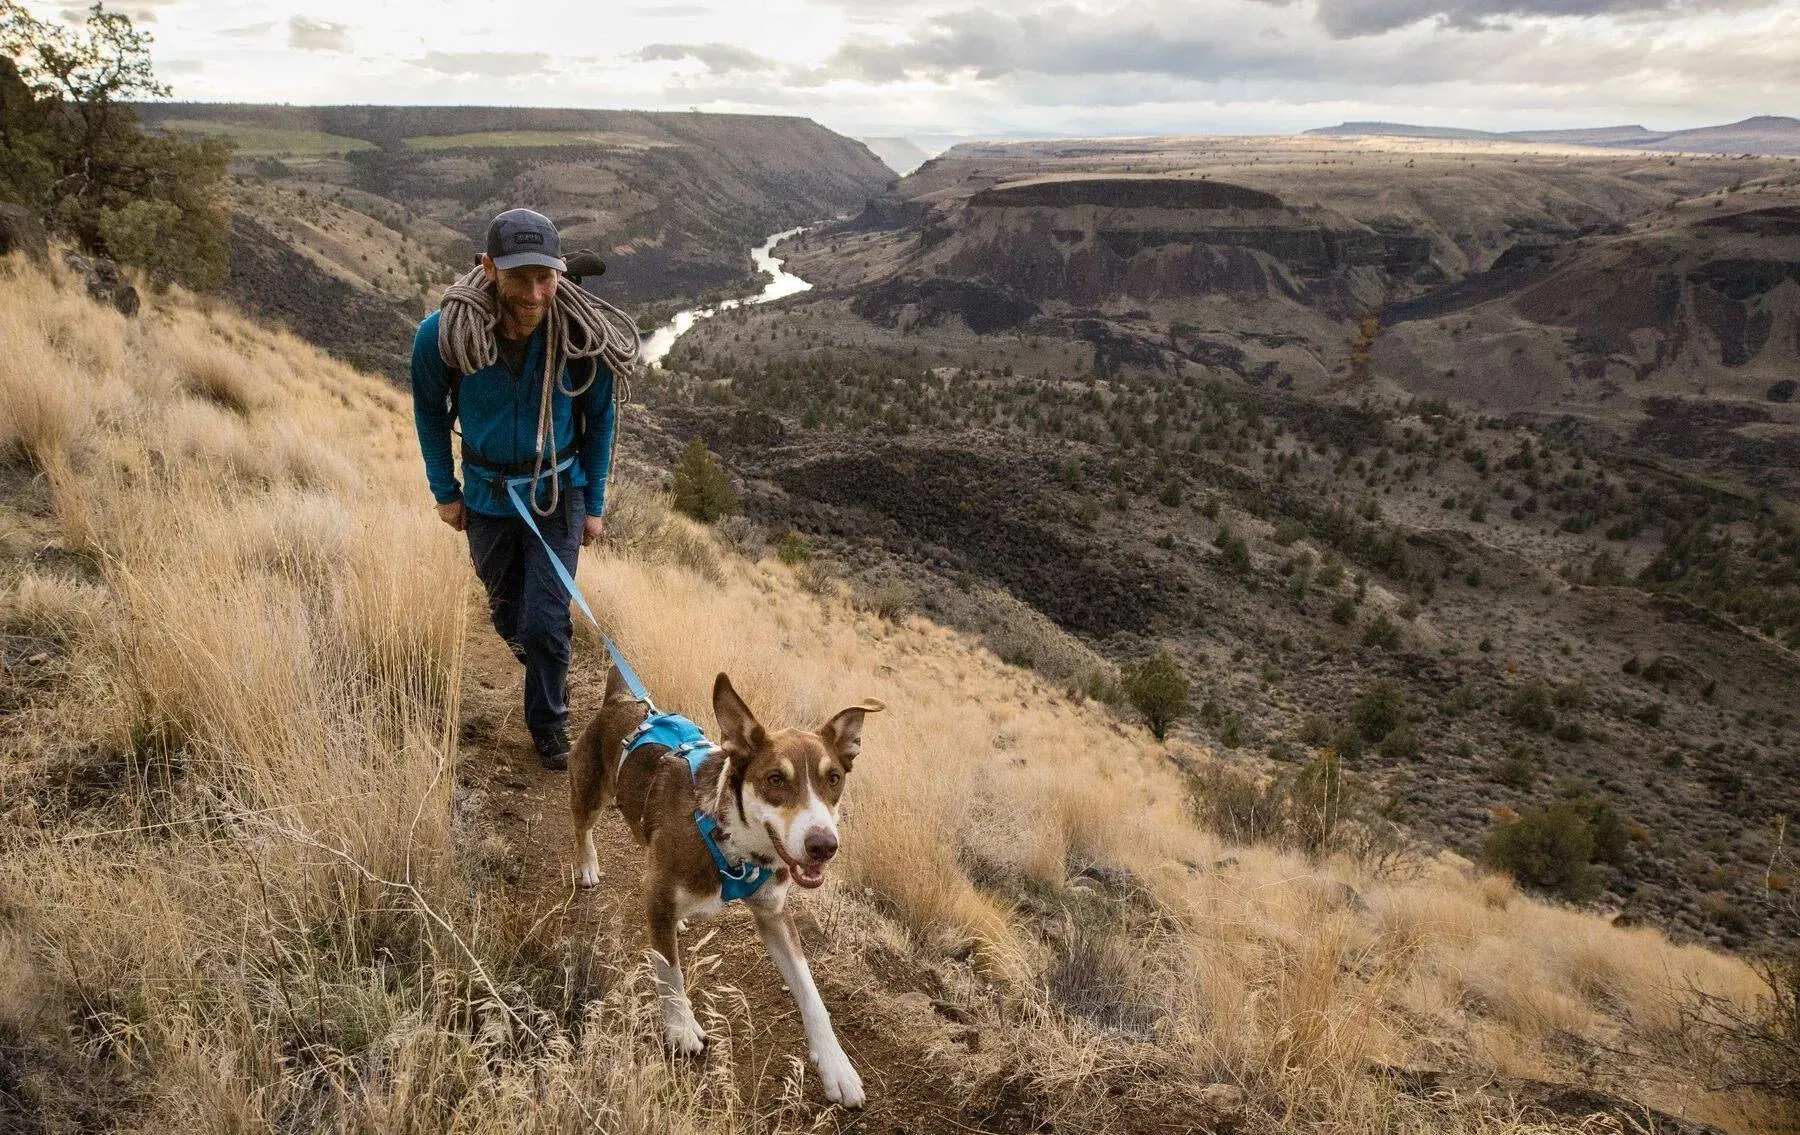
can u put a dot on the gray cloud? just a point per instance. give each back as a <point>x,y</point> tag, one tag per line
<point>1347,18</point>
<point>675,10</point>
<point>1119,56</point>
<point>140,11</point>
<point>249,31</point>
<point>719,58</point>
<point>1061,42</point>
<point>307,34</point>
<point>493,64</point>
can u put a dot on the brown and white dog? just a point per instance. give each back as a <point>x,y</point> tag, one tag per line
<point>774,797</point>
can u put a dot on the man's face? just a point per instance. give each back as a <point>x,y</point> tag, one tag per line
<point>525,292</point>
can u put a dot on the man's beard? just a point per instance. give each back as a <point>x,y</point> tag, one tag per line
<point>523,317</point>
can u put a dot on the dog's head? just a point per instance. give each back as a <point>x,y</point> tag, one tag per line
<point>784,787</point>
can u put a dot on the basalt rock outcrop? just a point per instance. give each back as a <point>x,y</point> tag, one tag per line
<point>1682,329</point>
<point>1090,241</point>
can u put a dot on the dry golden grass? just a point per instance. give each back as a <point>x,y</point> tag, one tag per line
<point>265,918</point>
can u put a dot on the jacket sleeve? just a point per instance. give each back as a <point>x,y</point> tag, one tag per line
<point>596,450</point>
<point>431,413</point>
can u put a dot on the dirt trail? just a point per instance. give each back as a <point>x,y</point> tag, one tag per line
<point>886,1024</point>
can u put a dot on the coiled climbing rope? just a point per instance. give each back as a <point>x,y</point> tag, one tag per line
<point>579,325</point>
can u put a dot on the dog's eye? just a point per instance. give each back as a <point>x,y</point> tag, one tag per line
<point>776,780</point>
<point>836,778</point>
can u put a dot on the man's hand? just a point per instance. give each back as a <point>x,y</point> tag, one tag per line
<point>592,530</point>
<point>455,514</point>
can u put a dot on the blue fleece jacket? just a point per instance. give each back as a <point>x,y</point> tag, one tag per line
<point>499,419</point>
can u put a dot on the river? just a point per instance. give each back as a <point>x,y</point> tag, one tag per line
<point>781,283</point>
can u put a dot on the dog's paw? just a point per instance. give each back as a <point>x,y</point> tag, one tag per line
<point>841,1083</point>
<point>588,876</point>
<point>685,1037</point>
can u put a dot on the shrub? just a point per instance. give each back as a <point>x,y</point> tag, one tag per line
<point>1319,800</point>
<point>890,602</point>
<point>703,489</point>
<point>1608,831</point>
<point>1533,706</point>
<point>1157,689</point>
<point>1235,550</point>
<point>1570,695</point>
<point>1380,710</point>
<point>1518,769</point>
<point>1347,743</point>
<point>743,535</point>
<point>1458,701</point>
<point>1315,731</point>
<point>1783,391</point>
<point>1758,1045</point>
<point>1549,849</point>
<point>1231,731</point>
<point>1401,744</point>
<point>793,550</point>
<point>1343,612</point>
<point>1381,633</point>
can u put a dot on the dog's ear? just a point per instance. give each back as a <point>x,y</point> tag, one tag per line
<point>843,733</point>
<point>738,727</point>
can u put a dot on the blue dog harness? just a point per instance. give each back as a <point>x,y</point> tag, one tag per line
<point>684,739</point>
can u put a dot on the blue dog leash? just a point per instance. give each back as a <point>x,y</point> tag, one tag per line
<point>632,681</point>
<point>671,730</point>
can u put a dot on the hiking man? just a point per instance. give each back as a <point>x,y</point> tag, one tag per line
<point>509,337</point>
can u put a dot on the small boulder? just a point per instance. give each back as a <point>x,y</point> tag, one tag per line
<point>105,283</point>
<point>21,231</point>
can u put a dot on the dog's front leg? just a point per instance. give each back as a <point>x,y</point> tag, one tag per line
<point>682,1032</point>
<point>839,1079</point>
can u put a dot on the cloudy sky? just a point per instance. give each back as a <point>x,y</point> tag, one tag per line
<point>1003,66</point>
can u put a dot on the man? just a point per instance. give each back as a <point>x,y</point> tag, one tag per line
<point>498,409</point>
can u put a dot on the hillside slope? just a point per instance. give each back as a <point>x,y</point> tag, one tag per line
<point>1684,333</point>
<point>270,861</point>
<point>1094,407</point>
<point>393,201</point>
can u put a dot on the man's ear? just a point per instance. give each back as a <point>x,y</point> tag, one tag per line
<point>843,733</point>
<point>738,727</point>
<point>487,269</point>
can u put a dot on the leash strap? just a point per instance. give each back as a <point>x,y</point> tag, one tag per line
<point>632,681</point>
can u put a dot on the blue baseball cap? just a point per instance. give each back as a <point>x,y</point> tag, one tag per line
<point>519,237</point>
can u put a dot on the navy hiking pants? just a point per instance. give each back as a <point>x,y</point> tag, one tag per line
<point>530,609</point>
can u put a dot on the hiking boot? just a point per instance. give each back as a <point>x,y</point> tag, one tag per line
<point>552,749</point>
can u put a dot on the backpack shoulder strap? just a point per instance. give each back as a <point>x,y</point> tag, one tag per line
<point>453,399</point>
